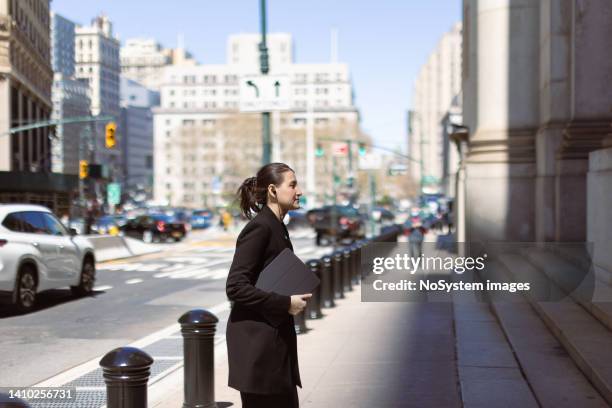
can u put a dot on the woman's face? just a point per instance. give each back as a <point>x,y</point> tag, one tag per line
<point>288,193</point>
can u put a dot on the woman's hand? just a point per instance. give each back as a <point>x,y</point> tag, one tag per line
<point>298,303</point>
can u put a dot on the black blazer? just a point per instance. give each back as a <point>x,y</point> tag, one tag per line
<point>261,340</point>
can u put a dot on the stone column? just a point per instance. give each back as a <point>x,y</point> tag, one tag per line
<point>555,23</point>
<point>502,112</point>
<point>590,113</point>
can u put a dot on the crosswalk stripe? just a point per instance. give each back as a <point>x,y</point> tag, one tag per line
<point>189,273</point>
<point>133,281</point>
<point>102,288</point>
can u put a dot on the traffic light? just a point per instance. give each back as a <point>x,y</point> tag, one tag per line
<point>319,152</point>
<point>110,140</point>
<point>362,149</point>
<point>83,169</point>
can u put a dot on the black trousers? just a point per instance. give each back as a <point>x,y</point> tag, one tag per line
<point>289,400</point>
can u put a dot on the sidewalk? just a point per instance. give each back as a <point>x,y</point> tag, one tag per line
<point>441,350</point>
<point>361,354</point>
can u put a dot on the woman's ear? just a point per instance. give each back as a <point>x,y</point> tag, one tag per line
<point>272,191</point>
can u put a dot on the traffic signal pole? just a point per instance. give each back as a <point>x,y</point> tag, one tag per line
<point>264,68</point>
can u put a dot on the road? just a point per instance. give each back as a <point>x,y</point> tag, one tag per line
<point>133,298</point>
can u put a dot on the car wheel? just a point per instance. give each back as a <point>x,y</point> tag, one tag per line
<point>88,279</point>
<point>26,289</point>
<point>147,236</point>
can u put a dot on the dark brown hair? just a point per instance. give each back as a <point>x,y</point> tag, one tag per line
<point>253,193</point>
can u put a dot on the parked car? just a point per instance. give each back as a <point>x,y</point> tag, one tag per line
<point>155,228</point>
<point>348,222</point>
<point>201,219</point>
<point>38,253</point>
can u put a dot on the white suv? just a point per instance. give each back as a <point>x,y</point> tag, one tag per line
<point>38,253</point>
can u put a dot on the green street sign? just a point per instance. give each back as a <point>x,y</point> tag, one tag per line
<point>113,193</point>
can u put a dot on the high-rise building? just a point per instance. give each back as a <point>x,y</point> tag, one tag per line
<point>97,63</point>
<point>205,147</point>
<point>435,92</point>
<point>70,99</point>
<point>143,61</point>
<point>25,98</point>
<point>137,124</point>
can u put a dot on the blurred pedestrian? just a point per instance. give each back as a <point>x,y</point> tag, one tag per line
<point>226,219</point>
<point>416,235</point>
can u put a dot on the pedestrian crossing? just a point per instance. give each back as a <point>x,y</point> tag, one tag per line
<point>199,264</point>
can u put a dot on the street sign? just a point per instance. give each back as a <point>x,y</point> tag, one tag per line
<point>370,161</point>
<point>264,93</point>
<point>113,193</point>
<point>340,149</point>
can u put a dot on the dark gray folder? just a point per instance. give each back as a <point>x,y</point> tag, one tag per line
<point>287,275</point>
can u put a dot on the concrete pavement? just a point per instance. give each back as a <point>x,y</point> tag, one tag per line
<point>450,350</point>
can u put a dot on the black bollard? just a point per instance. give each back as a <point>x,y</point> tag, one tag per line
<point>327,282</point>
<point>337,258</point>
<point>198,329</point>
<point>355,264</point>
<point>299,322</point>
<point>363,244</point>
<point>346,269</point>
<point>313,307</point>
<point>126,372</point>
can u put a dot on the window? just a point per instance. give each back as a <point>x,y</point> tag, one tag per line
<point>13,222</point>
<point>53,225</point>
<point>33,222</point>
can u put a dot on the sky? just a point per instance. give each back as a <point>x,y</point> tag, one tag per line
<point>384,42</point>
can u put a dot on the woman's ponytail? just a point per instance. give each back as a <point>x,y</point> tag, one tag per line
<point>247,193</point>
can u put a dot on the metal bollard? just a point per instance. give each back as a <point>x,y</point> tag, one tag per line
<point>327,282</point>
<point>299,322</point>
<point>337,257</point>
<point>346,269</point>
<point>313,307</point>
<point>355,263</point>
<point>126,372</point>
<point>198,329</point>
<point>363,244</point>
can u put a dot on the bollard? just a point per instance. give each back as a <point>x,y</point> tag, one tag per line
<point>126,372</point>
<point>346,269</point>
<point>355,264</point>
<point>327,282</point>
<point>299,322</point>
<point>313,308</point>
<point>198,329</point>
<point>363,244</point>
<point>337,257</point>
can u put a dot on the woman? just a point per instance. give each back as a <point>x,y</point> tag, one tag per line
<point>261,340</point>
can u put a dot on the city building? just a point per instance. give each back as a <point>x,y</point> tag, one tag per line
<point>435,92</point>
<point>205,147</point>
<point>144,59</point>
<point>97,64</point>
<point>25,97</point>
<point>137,124</point>
<point>70,99</point>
